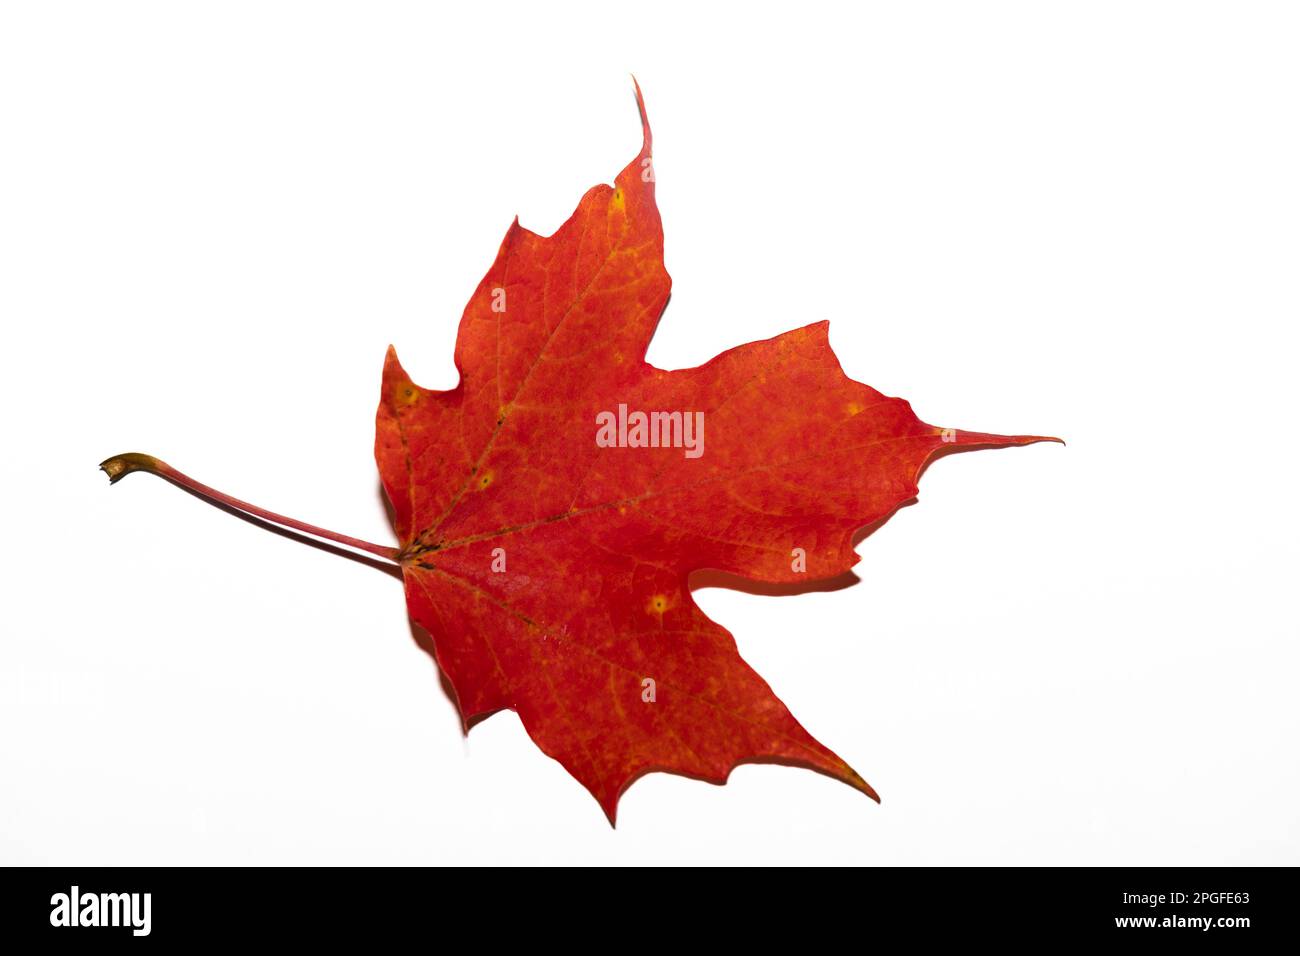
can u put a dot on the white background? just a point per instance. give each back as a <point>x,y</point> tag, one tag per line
<point>1073,219</point>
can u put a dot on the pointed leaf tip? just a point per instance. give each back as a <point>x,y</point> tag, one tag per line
<point>965,438</point>
<point>646,138</point>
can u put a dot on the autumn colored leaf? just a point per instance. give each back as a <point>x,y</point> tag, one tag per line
<point>552,507</point>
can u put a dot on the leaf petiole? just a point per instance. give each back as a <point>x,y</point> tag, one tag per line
<point>119,466</point>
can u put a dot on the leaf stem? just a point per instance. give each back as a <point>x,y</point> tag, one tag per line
<point>119,466</point>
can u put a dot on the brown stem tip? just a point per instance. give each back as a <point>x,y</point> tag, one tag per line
<point>119,466</point>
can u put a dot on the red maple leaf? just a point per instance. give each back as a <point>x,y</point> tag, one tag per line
<point>552,507</point>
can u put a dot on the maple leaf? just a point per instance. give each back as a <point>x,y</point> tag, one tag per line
<point>552,507</point>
